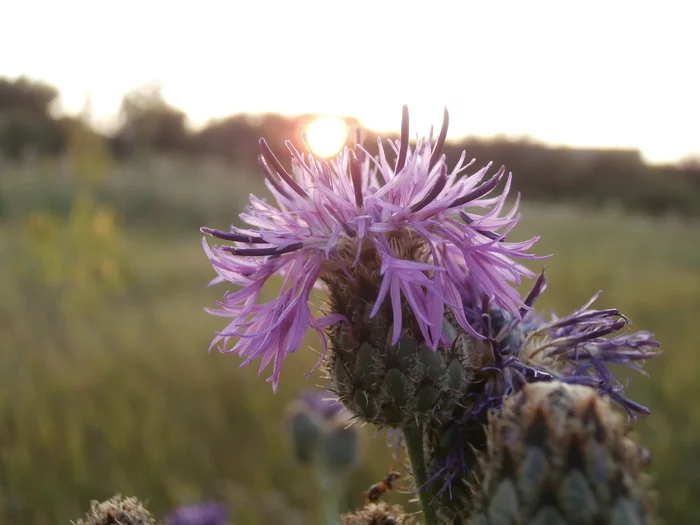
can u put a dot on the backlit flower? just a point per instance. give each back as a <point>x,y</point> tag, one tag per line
<point>402,234</point>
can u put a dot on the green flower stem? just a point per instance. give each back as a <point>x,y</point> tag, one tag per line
<point>414,444</point>
<point>332,487</point>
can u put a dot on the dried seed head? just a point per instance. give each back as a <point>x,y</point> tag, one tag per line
<point>559,454</point>
<point>117,511</point>
<point>377,514</point>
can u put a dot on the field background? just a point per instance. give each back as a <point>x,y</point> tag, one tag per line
<point>105,380</point>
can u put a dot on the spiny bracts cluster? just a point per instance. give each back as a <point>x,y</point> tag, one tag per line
<point>558,454</point>
<point>119,510</point>
<point>395,384</point>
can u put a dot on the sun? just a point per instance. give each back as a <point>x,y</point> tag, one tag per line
<point>326,136</point>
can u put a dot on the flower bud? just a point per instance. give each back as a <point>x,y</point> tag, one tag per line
<point>305,433</point>
<point>559,454</point>
<point>319,431</point>
<point>340,448</point>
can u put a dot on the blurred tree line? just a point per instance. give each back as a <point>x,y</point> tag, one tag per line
<point>149,125</point>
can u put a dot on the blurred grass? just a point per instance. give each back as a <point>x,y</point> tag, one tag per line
<point>115,391</point>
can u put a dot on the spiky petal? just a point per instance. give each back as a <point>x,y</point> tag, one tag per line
<point>575,349</point>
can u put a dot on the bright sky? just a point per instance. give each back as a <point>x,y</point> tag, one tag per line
<point>593,73</point>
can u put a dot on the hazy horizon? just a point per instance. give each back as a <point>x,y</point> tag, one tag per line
<point>608,75</point>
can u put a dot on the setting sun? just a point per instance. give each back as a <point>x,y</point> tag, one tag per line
<point>326,136</point>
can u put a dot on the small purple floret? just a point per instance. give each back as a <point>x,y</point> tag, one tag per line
<point>203,514</point>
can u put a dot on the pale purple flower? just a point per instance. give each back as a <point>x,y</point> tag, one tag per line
<point>325,210</point>
<point>322,403</point>
<point>202,514</point>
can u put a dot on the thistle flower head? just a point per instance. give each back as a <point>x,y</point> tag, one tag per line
<point>203,514</point>
<point>530,349</point>
<point>399,236</point>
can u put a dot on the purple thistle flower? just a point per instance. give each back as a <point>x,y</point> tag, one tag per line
<point>328,215</point>
<point>573,349</point>
<point>202,514</point>
<point>530,348</point>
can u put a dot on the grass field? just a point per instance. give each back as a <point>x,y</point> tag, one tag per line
<point>107,385</point>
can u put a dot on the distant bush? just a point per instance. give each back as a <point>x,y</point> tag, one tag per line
<point>26,125</point>
<point>149,125</point>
